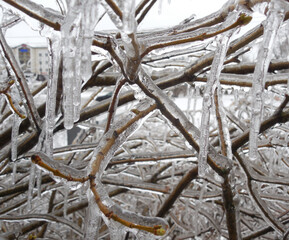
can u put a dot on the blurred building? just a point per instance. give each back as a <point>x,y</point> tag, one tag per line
<point>33,58</point>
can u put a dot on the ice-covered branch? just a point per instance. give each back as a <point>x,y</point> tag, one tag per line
<point>197,36</point>
<point>183,183</point>
<point>212,82</point>
<point>114,102</point>
<point>156,226</point>
<point>22,85</point>
<point>43,217</point>
<point>179,120</point>
<point>58,169</point>
<point>114,137</point>
<point>273,22</point>
<point>14,106</point>
<point>34,10</point>
<point>263,208</point>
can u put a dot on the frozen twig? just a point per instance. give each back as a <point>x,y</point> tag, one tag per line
<point>22,85</point>
<point>113,104</point>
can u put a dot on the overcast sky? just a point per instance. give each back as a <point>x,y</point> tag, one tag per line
<point>164,13</point>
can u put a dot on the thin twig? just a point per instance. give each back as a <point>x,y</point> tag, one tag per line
<point>115,8</point>
<point>37,160</point>
<point>113,103</point>
<point>242,20</point>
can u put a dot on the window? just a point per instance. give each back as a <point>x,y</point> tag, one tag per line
<point>40,54</point>
<point>24,54</point>
<point>40,62</point>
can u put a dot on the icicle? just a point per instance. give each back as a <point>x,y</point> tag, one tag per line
<point>55,49</point>
<point>83,69</point>
<point>271,26</point>
<point>39,180</point>
<point>69,34</point>
<point>15,131</point>
<point>160,7</point>
<point>220,54</point>
<point>92,218</point>
<point>65,201</point>
<point>77,33</point>
<point>90,11</point>
<point>31,186</point>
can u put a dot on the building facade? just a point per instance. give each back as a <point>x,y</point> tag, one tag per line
<point>33,58</point>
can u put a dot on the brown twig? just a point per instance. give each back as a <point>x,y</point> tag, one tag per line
<point>30,107</point>
<point>109,143</point>
<point>242,20</point>
<point>220,125</point>
<point>37,160</point>
<point>183,183</point>
<point>5,92</point>
<point>31,13</point>
<point>113,103</point>
<point>156,230</point>
<point>115,8</point>
<point>259,202</point>
<point>145,11</point>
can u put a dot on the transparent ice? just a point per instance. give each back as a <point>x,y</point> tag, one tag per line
<point>271,26</point>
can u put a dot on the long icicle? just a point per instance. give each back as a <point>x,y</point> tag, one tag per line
<point>223,43</point>
<point>271,26</point>
<point>14,144</point>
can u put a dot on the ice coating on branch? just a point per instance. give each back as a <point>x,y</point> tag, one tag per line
<point>127,215</point>
<point>129,29</point>
<point>113,16</point>
<point>266,213</point>
<point>59,171</point>
<point>138,219</point>
<point>7,85</point>
<point>21,83</point>
<point>224,124</point>
<point>111,135</point>
<point>177,114</point>
<point>114,103</point>
<point>128,18</point>
<point>220,54</point>
<point>37,9</point>
<point>272,24</point>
